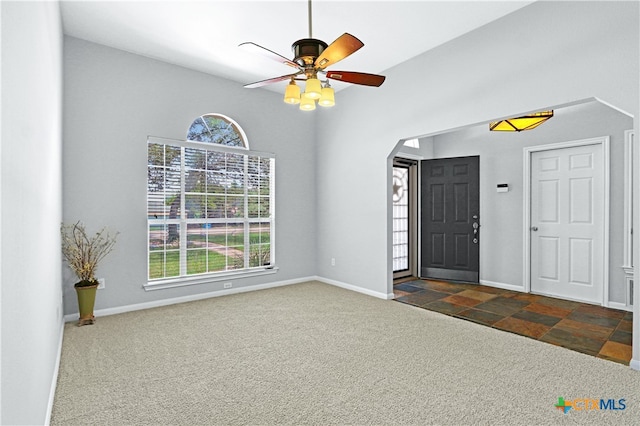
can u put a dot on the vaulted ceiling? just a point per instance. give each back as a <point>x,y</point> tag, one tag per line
<point>204,35</point>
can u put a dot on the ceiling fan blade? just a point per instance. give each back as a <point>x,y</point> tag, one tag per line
<point>270,80</point>
<point>256,48</point>
<point>357,78</point>
<point>342,47</point>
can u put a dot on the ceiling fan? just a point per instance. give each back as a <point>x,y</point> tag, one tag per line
<point>311,58</point>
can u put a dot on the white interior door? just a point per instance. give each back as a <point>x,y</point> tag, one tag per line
<point>567,223</point>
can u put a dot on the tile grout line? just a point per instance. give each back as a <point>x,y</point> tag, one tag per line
<point>423,289</point>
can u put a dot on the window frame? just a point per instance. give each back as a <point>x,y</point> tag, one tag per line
<point>231,122</point>
<point>629,137</point>
<point>184,278</point>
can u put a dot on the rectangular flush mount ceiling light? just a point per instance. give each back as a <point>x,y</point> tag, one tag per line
<point>518,124</point>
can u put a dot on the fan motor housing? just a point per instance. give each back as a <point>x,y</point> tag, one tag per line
<point>307,50</point>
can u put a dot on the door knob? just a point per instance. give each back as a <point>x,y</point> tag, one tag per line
<point>534,228</point>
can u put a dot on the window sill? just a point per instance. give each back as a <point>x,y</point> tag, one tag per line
<point>204,279</point>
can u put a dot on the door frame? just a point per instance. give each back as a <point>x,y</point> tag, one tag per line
<point>527,153</point>
<point>413,167</point>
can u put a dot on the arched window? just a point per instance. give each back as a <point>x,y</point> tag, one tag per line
<point>217,128</point>
<point>210,206</point>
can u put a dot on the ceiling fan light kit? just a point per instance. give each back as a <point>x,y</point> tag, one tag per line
<point>292,93</point>
<point>313,88</point>
<point>307,104</point>
<point>311,57</point>
<point>328,98</point>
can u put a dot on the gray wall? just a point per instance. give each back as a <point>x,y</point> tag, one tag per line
<point>588,49</point>
<point>113,101</point>
<point>30,208</point>
<point>501,161</point>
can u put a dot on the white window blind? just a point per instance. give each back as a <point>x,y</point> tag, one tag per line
<point>210,209</point>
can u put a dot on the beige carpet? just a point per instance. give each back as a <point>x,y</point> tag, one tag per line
<point>316,354</point>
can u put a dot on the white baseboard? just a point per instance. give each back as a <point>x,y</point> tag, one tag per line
<point>379,295</point>
<point>218,293</point>
<point>190,298</point>
<point>635,364</point>
<point>612,305</point>
<point>502,286</point>
<point>54,379</point>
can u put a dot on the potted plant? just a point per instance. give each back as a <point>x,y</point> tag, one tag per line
<point>83,253</point>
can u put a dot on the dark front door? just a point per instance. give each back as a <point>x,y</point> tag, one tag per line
<point>450,196</point>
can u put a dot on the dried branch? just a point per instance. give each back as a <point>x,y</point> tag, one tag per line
<point>83,253</point>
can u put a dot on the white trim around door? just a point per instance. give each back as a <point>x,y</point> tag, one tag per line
<point>527,153</point>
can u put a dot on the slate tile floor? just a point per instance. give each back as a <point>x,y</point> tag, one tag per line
<point>590,329</point>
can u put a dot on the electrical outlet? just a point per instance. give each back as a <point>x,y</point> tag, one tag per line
<point>100,283</point>
<point>333,261</point>
<point>228,285</point>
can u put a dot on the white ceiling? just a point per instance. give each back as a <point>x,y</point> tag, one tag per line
<point>204,35</point>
